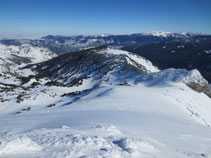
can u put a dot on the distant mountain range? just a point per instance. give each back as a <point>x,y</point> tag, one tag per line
<point>66,44</point>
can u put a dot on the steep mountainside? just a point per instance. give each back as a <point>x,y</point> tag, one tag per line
<point>104,102</point>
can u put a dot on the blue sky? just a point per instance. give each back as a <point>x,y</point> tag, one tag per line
<point>104,16</point>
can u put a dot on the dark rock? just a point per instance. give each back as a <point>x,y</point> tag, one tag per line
<point>18,112</point>
<point>54,83</point>
<point>51,105</point>
<point>27,109</point>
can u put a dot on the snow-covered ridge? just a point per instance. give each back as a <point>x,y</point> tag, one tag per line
<point>140,60</point>
<point>176,75</point>
<point>112,66</point>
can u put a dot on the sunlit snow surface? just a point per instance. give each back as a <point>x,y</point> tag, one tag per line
<point>153,116</point>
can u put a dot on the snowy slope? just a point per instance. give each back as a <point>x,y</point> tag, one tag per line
<point>146,113</point>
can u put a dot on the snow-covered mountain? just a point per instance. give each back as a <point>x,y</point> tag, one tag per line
<point>94,65</point>
<point>12,57</point>
<point>105,102</point>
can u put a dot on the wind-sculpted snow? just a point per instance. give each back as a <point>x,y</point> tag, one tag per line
<point>66,142</point>
<point>104,102</point>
